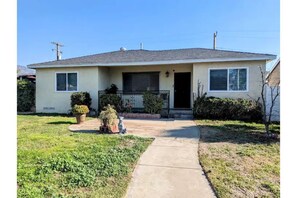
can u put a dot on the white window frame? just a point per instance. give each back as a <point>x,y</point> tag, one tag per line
<point>68,72</point>
<point>228,89</point>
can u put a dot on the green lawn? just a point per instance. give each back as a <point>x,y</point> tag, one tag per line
<point>239,160</point>
<point>54,162</point>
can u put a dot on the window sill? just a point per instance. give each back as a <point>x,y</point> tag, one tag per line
<point>233,91</point>
<point>65,91</point>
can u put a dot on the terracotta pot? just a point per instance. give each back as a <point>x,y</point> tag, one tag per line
<point>114,128</point>
<point>80,118</point>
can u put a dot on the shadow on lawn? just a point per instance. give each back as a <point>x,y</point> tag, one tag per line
<point>86,131</point>
<point>61,122</point>
<point>94,132</point>
<point>234,134</point>
<point>51,114</point>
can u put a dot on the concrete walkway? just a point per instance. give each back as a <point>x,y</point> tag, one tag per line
<point>170,166</point>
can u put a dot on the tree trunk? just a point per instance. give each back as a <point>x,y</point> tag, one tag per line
<point>267,128</point>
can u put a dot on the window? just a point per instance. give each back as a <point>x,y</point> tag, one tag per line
<point>228,79</point>
<point>66,81</point>
<point>218,79</point>
<point>237,79</point>
<point>148,81</point>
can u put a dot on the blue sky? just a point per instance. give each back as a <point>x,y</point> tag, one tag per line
<point>90,27</point>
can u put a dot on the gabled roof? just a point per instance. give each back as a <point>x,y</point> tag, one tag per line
<point>155,57</point>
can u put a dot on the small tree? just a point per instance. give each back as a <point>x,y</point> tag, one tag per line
<point>274,94</point>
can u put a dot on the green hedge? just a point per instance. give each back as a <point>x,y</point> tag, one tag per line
<point>152,103</point>
<point>81,98</point>
<point>26,95</point>
<point>111,99</point>
<point>227,109</point>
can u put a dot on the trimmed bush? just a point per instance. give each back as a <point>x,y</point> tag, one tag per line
<point>26,95</point>
<point>81,98</point>
<point>227,109</point>
<point>111,99</point>
<point>80,109</point>
<point>152,103</point>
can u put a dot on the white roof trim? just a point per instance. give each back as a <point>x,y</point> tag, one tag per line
<point>169,62</point>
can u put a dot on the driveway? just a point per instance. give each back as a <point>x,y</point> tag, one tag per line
<point>170,166</point>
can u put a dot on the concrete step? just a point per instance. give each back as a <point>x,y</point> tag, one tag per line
<point>184,114</point>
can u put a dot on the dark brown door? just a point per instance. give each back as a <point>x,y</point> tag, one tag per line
<point>182,90</point>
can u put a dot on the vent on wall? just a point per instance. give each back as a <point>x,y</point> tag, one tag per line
<point>48,108</point>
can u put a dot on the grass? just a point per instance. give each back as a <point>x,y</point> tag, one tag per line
<point>54,162</point>
<point>239,160</point>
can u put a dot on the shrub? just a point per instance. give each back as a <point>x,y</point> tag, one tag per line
<point>81,98</point>
<point>127,107</point>
<point>26,95</point>
<point>112,90</point>
<point>108,115</point>
<point>152,103</point>
<point>111,99</point>
<point>80,109</point>
<point>227,108</point>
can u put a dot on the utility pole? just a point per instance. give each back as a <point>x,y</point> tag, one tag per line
<point>215,40</point>
<point>141,46</point>
<point>58,51</point>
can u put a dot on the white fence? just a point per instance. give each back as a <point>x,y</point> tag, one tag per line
<point>276,108</point>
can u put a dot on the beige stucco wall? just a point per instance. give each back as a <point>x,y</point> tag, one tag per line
<point>200,72</point>
<point>103,78</point>
<point>59,102</point>
<point>166,83</point>
<point>274,77</point>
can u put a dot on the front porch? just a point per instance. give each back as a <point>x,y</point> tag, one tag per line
<point>134,100</point>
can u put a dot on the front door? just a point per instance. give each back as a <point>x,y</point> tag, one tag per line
<point>182,90</point>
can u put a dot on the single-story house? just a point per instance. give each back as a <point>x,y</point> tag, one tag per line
<point>273,80</point>
<point>175,72</point>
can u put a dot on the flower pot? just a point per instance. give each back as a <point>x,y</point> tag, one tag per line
<point>80,118</point>
<point>114,128</point>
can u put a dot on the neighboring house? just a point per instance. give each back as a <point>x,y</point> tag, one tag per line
<point>176,72</point>
<point>25,73</point>
<point>273,79</point>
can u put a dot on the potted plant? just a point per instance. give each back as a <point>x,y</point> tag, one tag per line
<point>80,112</point>
<point>108,117</point>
